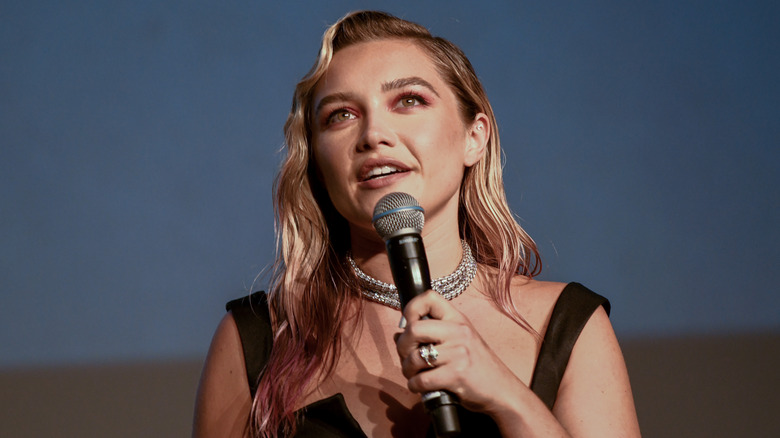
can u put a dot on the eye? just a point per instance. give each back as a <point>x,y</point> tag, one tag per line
<point>410,100</point>
<point>339,115</point>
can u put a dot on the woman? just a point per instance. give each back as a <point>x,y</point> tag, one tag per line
<point>389,108</point>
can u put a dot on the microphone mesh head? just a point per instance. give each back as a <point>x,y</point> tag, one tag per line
<point>397,211</point>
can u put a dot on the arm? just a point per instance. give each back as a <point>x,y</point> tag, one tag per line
<point>223,402</point>
<point>595,396</point>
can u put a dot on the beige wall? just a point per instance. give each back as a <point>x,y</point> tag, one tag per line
<point>697,387</point>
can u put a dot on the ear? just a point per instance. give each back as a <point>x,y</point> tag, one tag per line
<point>477,139</point>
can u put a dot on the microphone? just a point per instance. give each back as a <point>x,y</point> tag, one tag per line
<point>399,219</point>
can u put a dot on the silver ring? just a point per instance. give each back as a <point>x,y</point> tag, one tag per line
<point>429,354</point>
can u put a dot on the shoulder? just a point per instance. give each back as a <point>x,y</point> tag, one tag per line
<point>535,299</point>
<point>226,348</point>
<point>538,300</point>
<point>223,401</point>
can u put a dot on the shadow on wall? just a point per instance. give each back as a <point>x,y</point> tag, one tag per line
<point>691,387</point>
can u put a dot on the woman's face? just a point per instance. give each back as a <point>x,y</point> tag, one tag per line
<point>385,121</point>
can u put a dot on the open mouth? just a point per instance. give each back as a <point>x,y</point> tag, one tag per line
<point>381,171</point>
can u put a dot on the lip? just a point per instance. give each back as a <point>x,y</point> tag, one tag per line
<point>382,181</point>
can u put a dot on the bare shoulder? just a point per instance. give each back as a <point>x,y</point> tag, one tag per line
<point>223,402</point>
<point>537,292</point>
<point>536,299</point>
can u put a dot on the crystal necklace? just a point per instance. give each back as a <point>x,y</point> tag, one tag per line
<point>449,287</point>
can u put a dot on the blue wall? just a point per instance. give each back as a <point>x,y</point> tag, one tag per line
<point>139,140</point>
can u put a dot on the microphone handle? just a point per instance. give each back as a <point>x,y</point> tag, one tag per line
<point>412,277</point>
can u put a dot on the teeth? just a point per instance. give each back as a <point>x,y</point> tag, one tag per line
<point>379,171</point>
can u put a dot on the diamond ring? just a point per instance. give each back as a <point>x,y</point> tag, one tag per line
<point>429,354</point>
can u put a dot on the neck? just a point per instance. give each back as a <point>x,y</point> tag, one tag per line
<point>442,248</point>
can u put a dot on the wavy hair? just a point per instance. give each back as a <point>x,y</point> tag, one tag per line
<point>310,282</point>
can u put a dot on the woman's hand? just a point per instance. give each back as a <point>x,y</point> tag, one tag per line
<point>465,365</point>
<point>594,399</point>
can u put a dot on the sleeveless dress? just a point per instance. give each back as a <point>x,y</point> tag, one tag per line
<point>330,418</point>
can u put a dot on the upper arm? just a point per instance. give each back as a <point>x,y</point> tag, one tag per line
<point>594,399</point>
<point>223,402</point>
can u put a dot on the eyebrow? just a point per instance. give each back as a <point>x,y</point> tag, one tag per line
<point>405,82</point>
<point>330,98</point>
<point>387,86</point>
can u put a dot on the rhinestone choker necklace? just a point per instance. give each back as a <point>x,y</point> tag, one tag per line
<point>449,287</point>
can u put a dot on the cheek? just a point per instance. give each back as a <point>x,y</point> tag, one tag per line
<point>322,159</point>
<point>326,151</point>
<point>329,172</point>
<point>447,143</point>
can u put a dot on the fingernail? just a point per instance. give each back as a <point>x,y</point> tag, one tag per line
<point>402,323</point>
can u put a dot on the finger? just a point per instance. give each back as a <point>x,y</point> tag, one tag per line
<point>415,362</point>
<point>426,331</point>
<point>429,304</point>
<point>434,379</point>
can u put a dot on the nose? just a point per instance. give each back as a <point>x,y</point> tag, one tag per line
<point>377,131</point>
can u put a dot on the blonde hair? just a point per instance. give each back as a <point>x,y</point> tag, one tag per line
<point>310,282</point>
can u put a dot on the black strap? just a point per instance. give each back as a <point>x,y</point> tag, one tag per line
<point>572,311</point>
<point>254,328</point>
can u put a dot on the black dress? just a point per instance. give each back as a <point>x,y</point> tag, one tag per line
<point>330,418</point>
